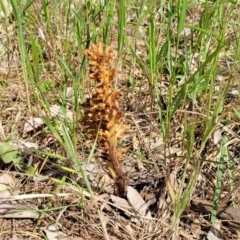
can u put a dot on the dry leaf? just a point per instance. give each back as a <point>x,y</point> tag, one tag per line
<point>217,136</point>
<point>25,147</point>
<point>120,202</point>
<point>53,233</point>
<point>32,124</point>
<point>56,110</point>
<point>5,183</point>
<point>214,232</point>
<point>224,212</point>
<point>20,211</point>
<point>136,201</point>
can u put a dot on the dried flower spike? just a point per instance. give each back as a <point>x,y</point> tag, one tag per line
<point>103,110</point>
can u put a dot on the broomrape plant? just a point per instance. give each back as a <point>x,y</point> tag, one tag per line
<point>103,115</point>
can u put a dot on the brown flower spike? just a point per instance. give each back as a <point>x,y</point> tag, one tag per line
<point>103,111</point>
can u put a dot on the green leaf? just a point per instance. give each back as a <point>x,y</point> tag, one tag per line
<point>27,4</point>
<point>32,170</point>
<point>236,112</point>
<point>8,153</point>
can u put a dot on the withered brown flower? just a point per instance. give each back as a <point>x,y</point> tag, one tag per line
<point>104,111</point>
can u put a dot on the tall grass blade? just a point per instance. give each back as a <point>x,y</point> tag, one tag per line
<point>220,170</point>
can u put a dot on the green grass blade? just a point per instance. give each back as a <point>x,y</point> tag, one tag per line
<point>182,5</point>
<point>73,156</point>
<point>217,194</point>
<point>122,18</point>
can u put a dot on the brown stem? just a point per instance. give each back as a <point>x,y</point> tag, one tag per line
<point>121,178</point>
